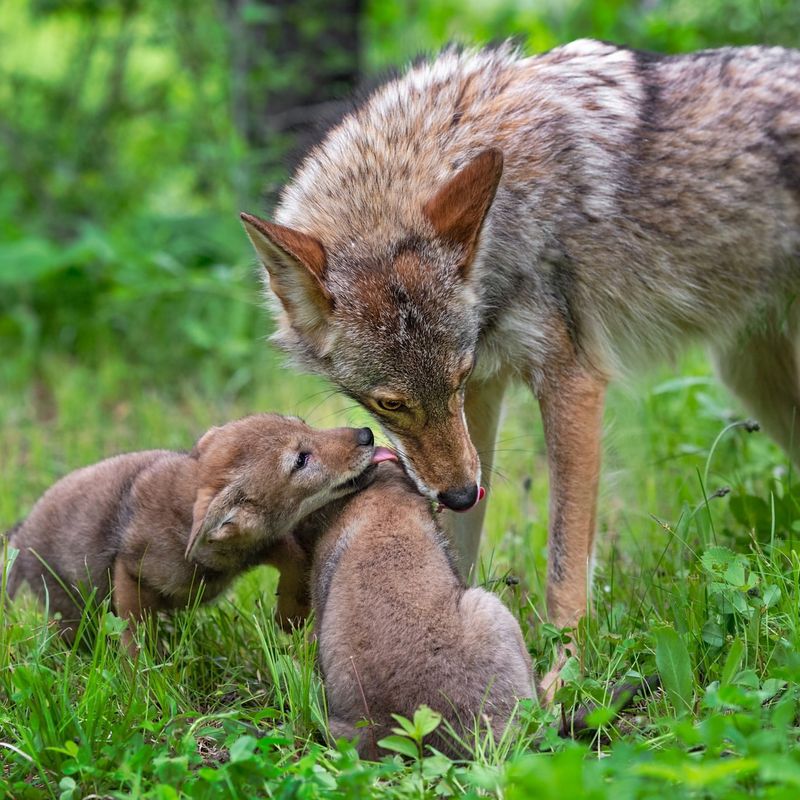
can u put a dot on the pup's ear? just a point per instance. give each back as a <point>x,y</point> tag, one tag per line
<point>203,443</point>
<point>213,517</point>
<point>295,263</point>
<point>458,209</point>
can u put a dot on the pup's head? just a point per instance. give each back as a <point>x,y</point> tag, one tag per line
<point>395,328</point>
<point>261,475</point>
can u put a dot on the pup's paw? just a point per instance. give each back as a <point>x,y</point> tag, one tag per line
<point>291,611</point>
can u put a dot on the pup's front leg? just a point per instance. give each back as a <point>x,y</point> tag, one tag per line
<point>294,594</point>
<point>571,401</point>
<point>132,601</point>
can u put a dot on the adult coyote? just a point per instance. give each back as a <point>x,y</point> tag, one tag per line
<point>555,220</point>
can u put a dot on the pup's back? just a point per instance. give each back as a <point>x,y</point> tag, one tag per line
<point>72,530</point>
<point>398,629</point>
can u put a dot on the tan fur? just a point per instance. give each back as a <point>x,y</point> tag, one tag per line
<point>397,628</point>
<point>158,530</point>
<point>645,201</point>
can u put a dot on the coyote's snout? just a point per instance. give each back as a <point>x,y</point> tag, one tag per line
<point>157,529</point>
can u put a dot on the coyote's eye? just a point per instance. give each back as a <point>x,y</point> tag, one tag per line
<point>389,405</point>
<point>301,461</point>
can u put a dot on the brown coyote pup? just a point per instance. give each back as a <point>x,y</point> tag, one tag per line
<point>397,627</point>
<point>155,528</point>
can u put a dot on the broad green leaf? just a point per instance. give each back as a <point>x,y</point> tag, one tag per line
<point>712,633</point>
<point>782,770</point>
<point>28,260</point>
<point>751,511</point>
<point>602,715</point>
<point>67,787</point>
<point>31,259</point>
<point>400,744</point>
<point>732,662</point>
<point>171,770</point>
<point>772,594</point>
<point>571,671</point>
<point>425,721</point>
<point>113,625</point>
<point>771,687</point>
<point>724,564</point>
<point>783,713</point>
<point>717,559</point>
<point>211,775</point>
<point>747,678</point>
<point>700,774</point>
<point>165,792</point>
<point>436,766</point>
<point>675,669</point>
<point>242,749</point>
<point>739,602</point>
<point>406,726</point>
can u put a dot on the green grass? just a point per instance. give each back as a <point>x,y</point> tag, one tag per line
<point>698,585</point>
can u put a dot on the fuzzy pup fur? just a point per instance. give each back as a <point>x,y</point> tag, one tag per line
<point>396,626</point>
<point>153,529</point>
<point>557,220</point>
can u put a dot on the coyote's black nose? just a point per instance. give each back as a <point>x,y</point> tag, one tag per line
<point>364,436</point>
<point>459,499</point>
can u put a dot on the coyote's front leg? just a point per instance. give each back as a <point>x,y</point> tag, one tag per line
<point>571,402</point>
<point>483,406</point>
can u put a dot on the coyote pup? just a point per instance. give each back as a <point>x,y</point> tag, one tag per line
<point>396,626</point>
<point>555,220</point>
<point>155,528</point>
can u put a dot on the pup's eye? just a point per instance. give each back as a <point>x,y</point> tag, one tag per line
<point>301,461</point>
<point>389,405</point>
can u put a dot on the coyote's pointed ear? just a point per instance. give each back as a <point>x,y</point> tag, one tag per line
<point>213,517</point>
<point>458,209</point>
<point>296,264</point>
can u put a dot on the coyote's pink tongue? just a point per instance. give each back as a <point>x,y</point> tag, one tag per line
<point>383,454</point>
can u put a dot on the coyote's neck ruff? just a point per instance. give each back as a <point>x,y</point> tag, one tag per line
<point>557,219</point>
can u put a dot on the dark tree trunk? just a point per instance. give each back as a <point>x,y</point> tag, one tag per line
<point>294,62</point>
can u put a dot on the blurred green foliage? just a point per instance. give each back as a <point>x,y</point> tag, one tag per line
<point>395,30</point>
<point>130,137</point>
<point>124,154</point>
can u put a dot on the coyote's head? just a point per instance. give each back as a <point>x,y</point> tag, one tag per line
<point>395,324</point>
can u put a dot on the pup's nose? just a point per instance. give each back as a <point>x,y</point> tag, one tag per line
<point>364,436</point>
<point>459,499</point>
